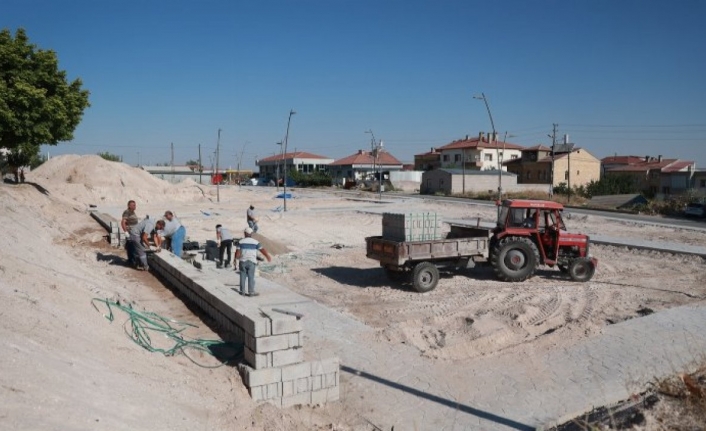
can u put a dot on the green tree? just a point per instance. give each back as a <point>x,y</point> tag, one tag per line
<point>37,104</point>
<point>110,157</point>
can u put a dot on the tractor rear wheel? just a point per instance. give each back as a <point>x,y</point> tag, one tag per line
<point>581,269</point>
<point>515,259</point>
<point>425,277</point>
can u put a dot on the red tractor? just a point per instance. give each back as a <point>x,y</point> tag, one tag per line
<point>530,233</point>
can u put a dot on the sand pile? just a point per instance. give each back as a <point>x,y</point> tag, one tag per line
<point>94,180</point>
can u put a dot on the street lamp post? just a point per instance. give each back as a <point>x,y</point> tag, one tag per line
<point>497,147</point>
<point>281,155</point>
<point>286,140</point>
<point>242,150</point>
<point>373,143</point>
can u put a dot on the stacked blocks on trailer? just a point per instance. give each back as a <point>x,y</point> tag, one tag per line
<point>411,226</point>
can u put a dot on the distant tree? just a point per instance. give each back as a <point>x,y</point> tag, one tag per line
<point>194,165</point>
<point>612,185</point>
<point>111,157</point>
<point>37,104</point>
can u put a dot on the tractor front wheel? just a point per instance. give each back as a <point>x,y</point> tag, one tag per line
<point>425,277</point>
<point>581,269</point>
<point>515,259</point>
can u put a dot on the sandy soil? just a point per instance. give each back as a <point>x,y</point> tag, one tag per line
<point>67,367</point>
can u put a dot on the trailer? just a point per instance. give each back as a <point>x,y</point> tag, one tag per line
<point>528,233</point>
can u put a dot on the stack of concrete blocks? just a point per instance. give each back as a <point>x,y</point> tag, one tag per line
<point>116,235</point>
<point>276,371</point>
<point>423,226</point>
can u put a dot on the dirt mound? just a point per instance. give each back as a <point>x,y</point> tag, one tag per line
<point>273,247</point>
<point>94,180</point>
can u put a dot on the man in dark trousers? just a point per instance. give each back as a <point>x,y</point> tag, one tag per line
<point>225,243</point>
<point>129,220</point>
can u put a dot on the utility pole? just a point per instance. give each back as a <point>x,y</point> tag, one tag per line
<point>551,181</point>
<point>286,141</point>
<point>218,183</point>
<point>372,151</point>
<point>497,147</point>
<point>377,154</point>
<point>239,160</point>
<point>200,165</point>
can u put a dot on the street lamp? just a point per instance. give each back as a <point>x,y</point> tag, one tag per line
<point>372,150</point>
<point>286,140</point>
<point>281,155</point>
<point>497,147</point>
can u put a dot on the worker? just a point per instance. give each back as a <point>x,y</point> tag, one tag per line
<point>246,253</point>
<point>530,222</point>
<point>224,240</point>
<point>252,220</point>
<point>140,237</point>
<point>129,220</point>
<point>175,232</point>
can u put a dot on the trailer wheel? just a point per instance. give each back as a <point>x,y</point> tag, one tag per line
<point>425,277</point>
<point>581,269</point>
<point>515,259</point>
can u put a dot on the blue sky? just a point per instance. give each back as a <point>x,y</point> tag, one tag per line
<point>626,77</point>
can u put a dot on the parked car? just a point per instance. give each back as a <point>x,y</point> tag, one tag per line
<point>695,209</point>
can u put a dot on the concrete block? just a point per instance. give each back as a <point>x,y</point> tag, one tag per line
<point>325,395</point>
<point>286,325</point>
<point>303,385</point>
<point>330,380</point>
<point>272,343</point>
<point>287,357</point>
<point>256,325</point>
<point>274,390</point>
<point>325,366</point>
<point>258,393</point>
<point>256,360</point>
<point>265,376</point>
<point>297,371</point>
<point>317,383</point>
<point>288,388</point>
<point>303,398</point>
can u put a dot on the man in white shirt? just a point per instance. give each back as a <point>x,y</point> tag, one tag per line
<point>246,252</point>
<point>175,232</point>
<point>225,243</point>
<point>252,220</point>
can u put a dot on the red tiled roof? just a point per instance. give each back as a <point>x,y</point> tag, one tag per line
<point>365,158</point>
<point>644,166</point>
<point>294,155</point>
<point>678,166</point>
<point>539,147</point>
<point>435,152</point>
<point>622,160</point>
<point>478,143</point>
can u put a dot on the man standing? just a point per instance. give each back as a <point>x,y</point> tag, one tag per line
<point>252,220</point>
<point>176,232</point>
<point>246,251</point>
<point>140,237</point>
<point>129,220</point>
<point>225,242</point>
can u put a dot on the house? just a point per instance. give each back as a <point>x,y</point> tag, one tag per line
<point>577,167</point>
<point>483,152</point>
<point>616,161</point>
<point>699,182</point>
<point>362,165</point>
<point>301,161</point>
<point>427,161</point>
<point>458,181</point>
<point>657,175</point>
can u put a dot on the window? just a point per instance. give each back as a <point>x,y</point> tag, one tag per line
<point>566,175</point>
<point>578,173</point>
<point>457,157</point>
<point>488,157</point>
<point>446,157</point>
<point>513,156</point>
<point>703,183</point>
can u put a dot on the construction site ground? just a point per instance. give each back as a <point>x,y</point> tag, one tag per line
<point>475,353</point>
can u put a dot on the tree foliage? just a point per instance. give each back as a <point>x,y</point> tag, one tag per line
<point>315,179</point>
<point>38,106</point>
<point>110,157</point>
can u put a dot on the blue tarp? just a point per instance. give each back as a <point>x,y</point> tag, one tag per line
<point>281,196</point>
